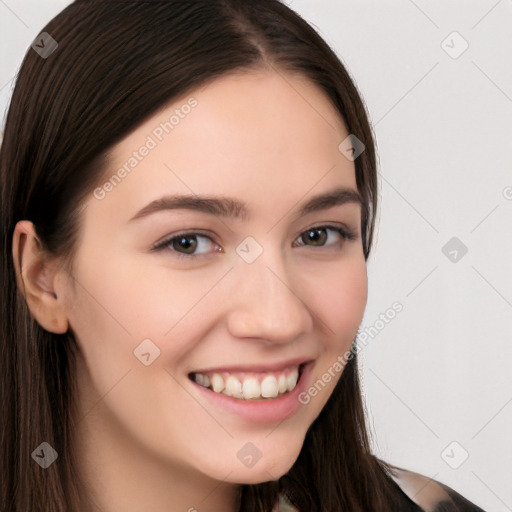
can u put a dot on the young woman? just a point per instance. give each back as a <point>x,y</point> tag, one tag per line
<point>188,192</point>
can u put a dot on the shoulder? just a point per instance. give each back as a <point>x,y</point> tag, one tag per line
<point>425,492</point>
<point>430,495</point>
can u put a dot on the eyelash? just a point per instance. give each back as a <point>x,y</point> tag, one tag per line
<point>167,242</point>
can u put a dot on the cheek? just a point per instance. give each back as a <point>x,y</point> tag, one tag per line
<point>118,306</point>
<point>110,315</point>
<point>111,312</point>
<point>341,301</point>
<point>340,311</point>
<point>126,300</point>
<point>341,307</point>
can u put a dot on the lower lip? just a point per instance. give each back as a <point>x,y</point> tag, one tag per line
<point>270,410</point>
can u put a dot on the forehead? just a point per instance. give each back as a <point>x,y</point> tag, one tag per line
<point>256,133</point>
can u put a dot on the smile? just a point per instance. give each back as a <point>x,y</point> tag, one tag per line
<point>250,385</point>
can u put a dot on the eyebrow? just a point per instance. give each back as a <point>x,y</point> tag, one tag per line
<point>230,207</point>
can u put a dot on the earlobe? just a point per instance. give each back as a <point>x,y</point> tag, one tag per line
<point>36,278</point>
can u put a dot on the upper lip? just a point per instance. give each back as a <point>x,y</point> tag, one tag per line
<point>263,367</point>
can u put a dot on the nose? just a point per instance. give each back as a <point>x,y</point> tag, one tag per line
<point>264,303</point>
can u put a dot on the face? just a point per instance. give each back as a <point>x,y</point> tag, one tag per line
<point>246,299</point>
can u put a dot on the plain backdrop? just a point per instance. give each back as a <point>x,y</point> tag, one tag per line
<point>436,77</point>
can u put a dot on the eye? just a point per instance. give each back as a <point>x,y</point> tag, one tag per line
<point>187,242</point>
<point>314,234</point>
<point>185,245</point>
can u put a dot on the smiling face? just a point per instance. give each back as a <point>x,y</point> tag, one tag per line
<point>248,297</point>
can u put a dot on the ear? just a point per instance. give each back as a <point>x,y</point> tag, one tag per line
<point>36,276</point>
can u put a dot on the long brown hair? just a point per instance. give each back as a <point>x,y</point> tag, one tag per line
<point>116,64</point>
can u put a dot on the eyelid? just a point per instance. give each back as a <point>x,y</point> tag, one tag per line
<point>190,232</point>
<point>347,233</point>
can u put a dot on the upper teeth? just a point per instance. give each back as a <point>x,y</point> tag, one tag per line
<point>249,386</point>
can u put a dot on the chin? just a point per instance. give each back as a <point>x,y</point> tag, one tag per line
<point>267,468</point>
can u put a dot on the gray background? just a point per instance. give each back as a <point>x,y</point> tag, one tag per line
<point>438,375</point>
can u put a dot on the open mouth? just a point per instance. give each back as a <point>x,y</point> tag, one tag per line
<point>250,385</point>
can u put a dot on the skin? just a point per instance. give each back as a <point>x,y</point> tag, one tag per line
<point>147,439</point>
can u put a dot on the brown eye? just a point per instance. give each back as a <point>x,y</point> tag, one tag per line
<point>185,245</point>
<point>318,236</point>
<point>195,245</point>
<point>183,242</point>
